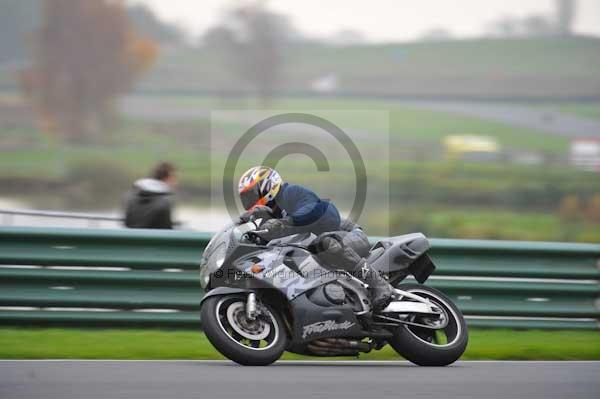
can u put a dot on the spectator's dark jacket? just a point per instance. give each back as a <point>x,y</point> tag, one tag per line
<point>305,208</point>
<point>149,205</point>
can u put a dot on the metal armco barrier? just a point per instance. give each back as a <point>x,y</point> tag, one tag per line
<point>98,277</point>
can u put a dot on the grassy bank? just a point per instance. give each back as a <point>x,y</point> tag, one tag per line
<point>479,67</point>
<point>158,344</point>
<point>414,184</point>
<point>476,67</point>
<point>588,110</point>
<point>499,224</point>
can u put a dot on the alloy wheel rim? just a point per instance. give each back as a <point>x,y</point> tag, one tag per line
<point>260,334</point>
<point>452,323</point>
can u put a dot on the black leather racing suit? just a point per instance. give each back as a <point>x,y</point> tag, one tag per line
<point>345,248</point>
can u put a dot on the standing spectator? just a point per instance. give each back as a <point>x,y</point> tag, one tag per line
<point>149,203</point>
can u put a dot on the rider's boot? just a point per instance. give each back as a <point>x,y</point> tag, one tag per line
<point>381,291</point>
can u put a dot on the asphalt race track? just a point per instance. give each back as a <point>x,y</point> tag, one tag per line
<point>349,379</point>
<point>528,116</point>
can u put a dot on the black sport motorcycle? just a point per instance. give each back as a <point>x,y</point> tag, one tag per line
<point>266,298</point>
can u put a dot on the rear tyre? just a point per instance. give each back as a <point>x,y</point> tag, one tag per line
<point>432,347</point>
<point>257,342</point>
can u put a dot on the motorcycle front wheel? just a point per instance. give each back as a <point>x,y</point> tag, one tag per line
<point>431,346</point>
<point>258,342</point>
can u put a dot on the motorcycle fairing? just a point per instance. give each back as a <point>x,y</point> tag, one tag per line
<point>311,321</point>
<point>403,253</point>
<point>291,270</point>
<point>223,291</point>
<point>294,271</point>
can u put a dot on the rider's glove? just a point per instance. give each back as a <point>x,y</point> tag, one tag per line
<point>258,212</point>
<point>276,228</point>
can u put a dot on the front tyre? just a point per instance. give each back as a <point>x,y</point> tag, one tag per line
<point>432,347</point>
<point>257,342</point>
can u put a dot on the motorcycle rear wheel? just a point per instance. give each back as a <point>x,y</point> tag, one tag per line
<point>257,342</point>
<point>430,347</point>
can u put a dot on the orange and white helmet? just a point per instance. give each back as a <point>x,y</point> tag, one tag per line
<point>258,186</point>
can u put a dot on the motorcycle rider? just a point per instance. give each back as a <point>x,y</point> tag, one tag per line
<point>295,209</point>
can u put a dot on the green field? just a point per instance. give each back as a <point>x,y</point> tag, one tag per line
<point>499,224</point>
<point>419,187</point>
<point>56,343</point>
<point>513,68</point>
<point>486,68</point>
<point>587,110</point>
<point>403,123</point>
<point>134,145</point>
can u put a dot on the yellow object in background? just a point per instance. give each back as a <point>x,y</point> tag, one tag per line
<point>458,145</point>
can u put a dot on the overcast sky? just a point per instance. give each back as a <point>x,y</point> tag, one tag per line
<point>378,20</point>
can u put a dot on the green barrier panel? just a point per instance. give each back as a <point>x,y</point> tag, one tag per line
<point>132,278</point>
<point>100,296</point>
<point>516,288</point>
<point>190,279</point>
<point>188,298</point>
<point>191,320</point>
<point>152,249</point>
<point>526,266</point>
<point>100,319</point>
<point>136,249</point>
<point>534,324</point>
<point>148,286</point>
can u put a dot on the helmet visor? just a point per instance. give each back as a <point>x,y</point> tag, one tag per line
<point>250,197</point>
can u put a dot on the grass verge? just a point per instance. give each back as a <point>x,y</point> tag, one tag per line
<point>588,110</point>
<point>55,343</point>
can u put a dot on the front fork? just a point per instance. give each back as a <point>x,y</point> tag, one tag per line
<point>251,309</point>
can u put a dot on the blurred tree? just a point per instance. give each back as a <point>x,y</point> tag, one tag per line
<point>531,25</point>
<point>570,208</point>
<point>146,23</point>
<point>565,15</point>
<point>538,25</point>
<point>17,19</point>
<point>218,38</point>
<point>504,27</point>
<point>593,208</point>
<point>347,37</point>
<point>251,41</point>
<point>86,55</point>
<point>437,34</point>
